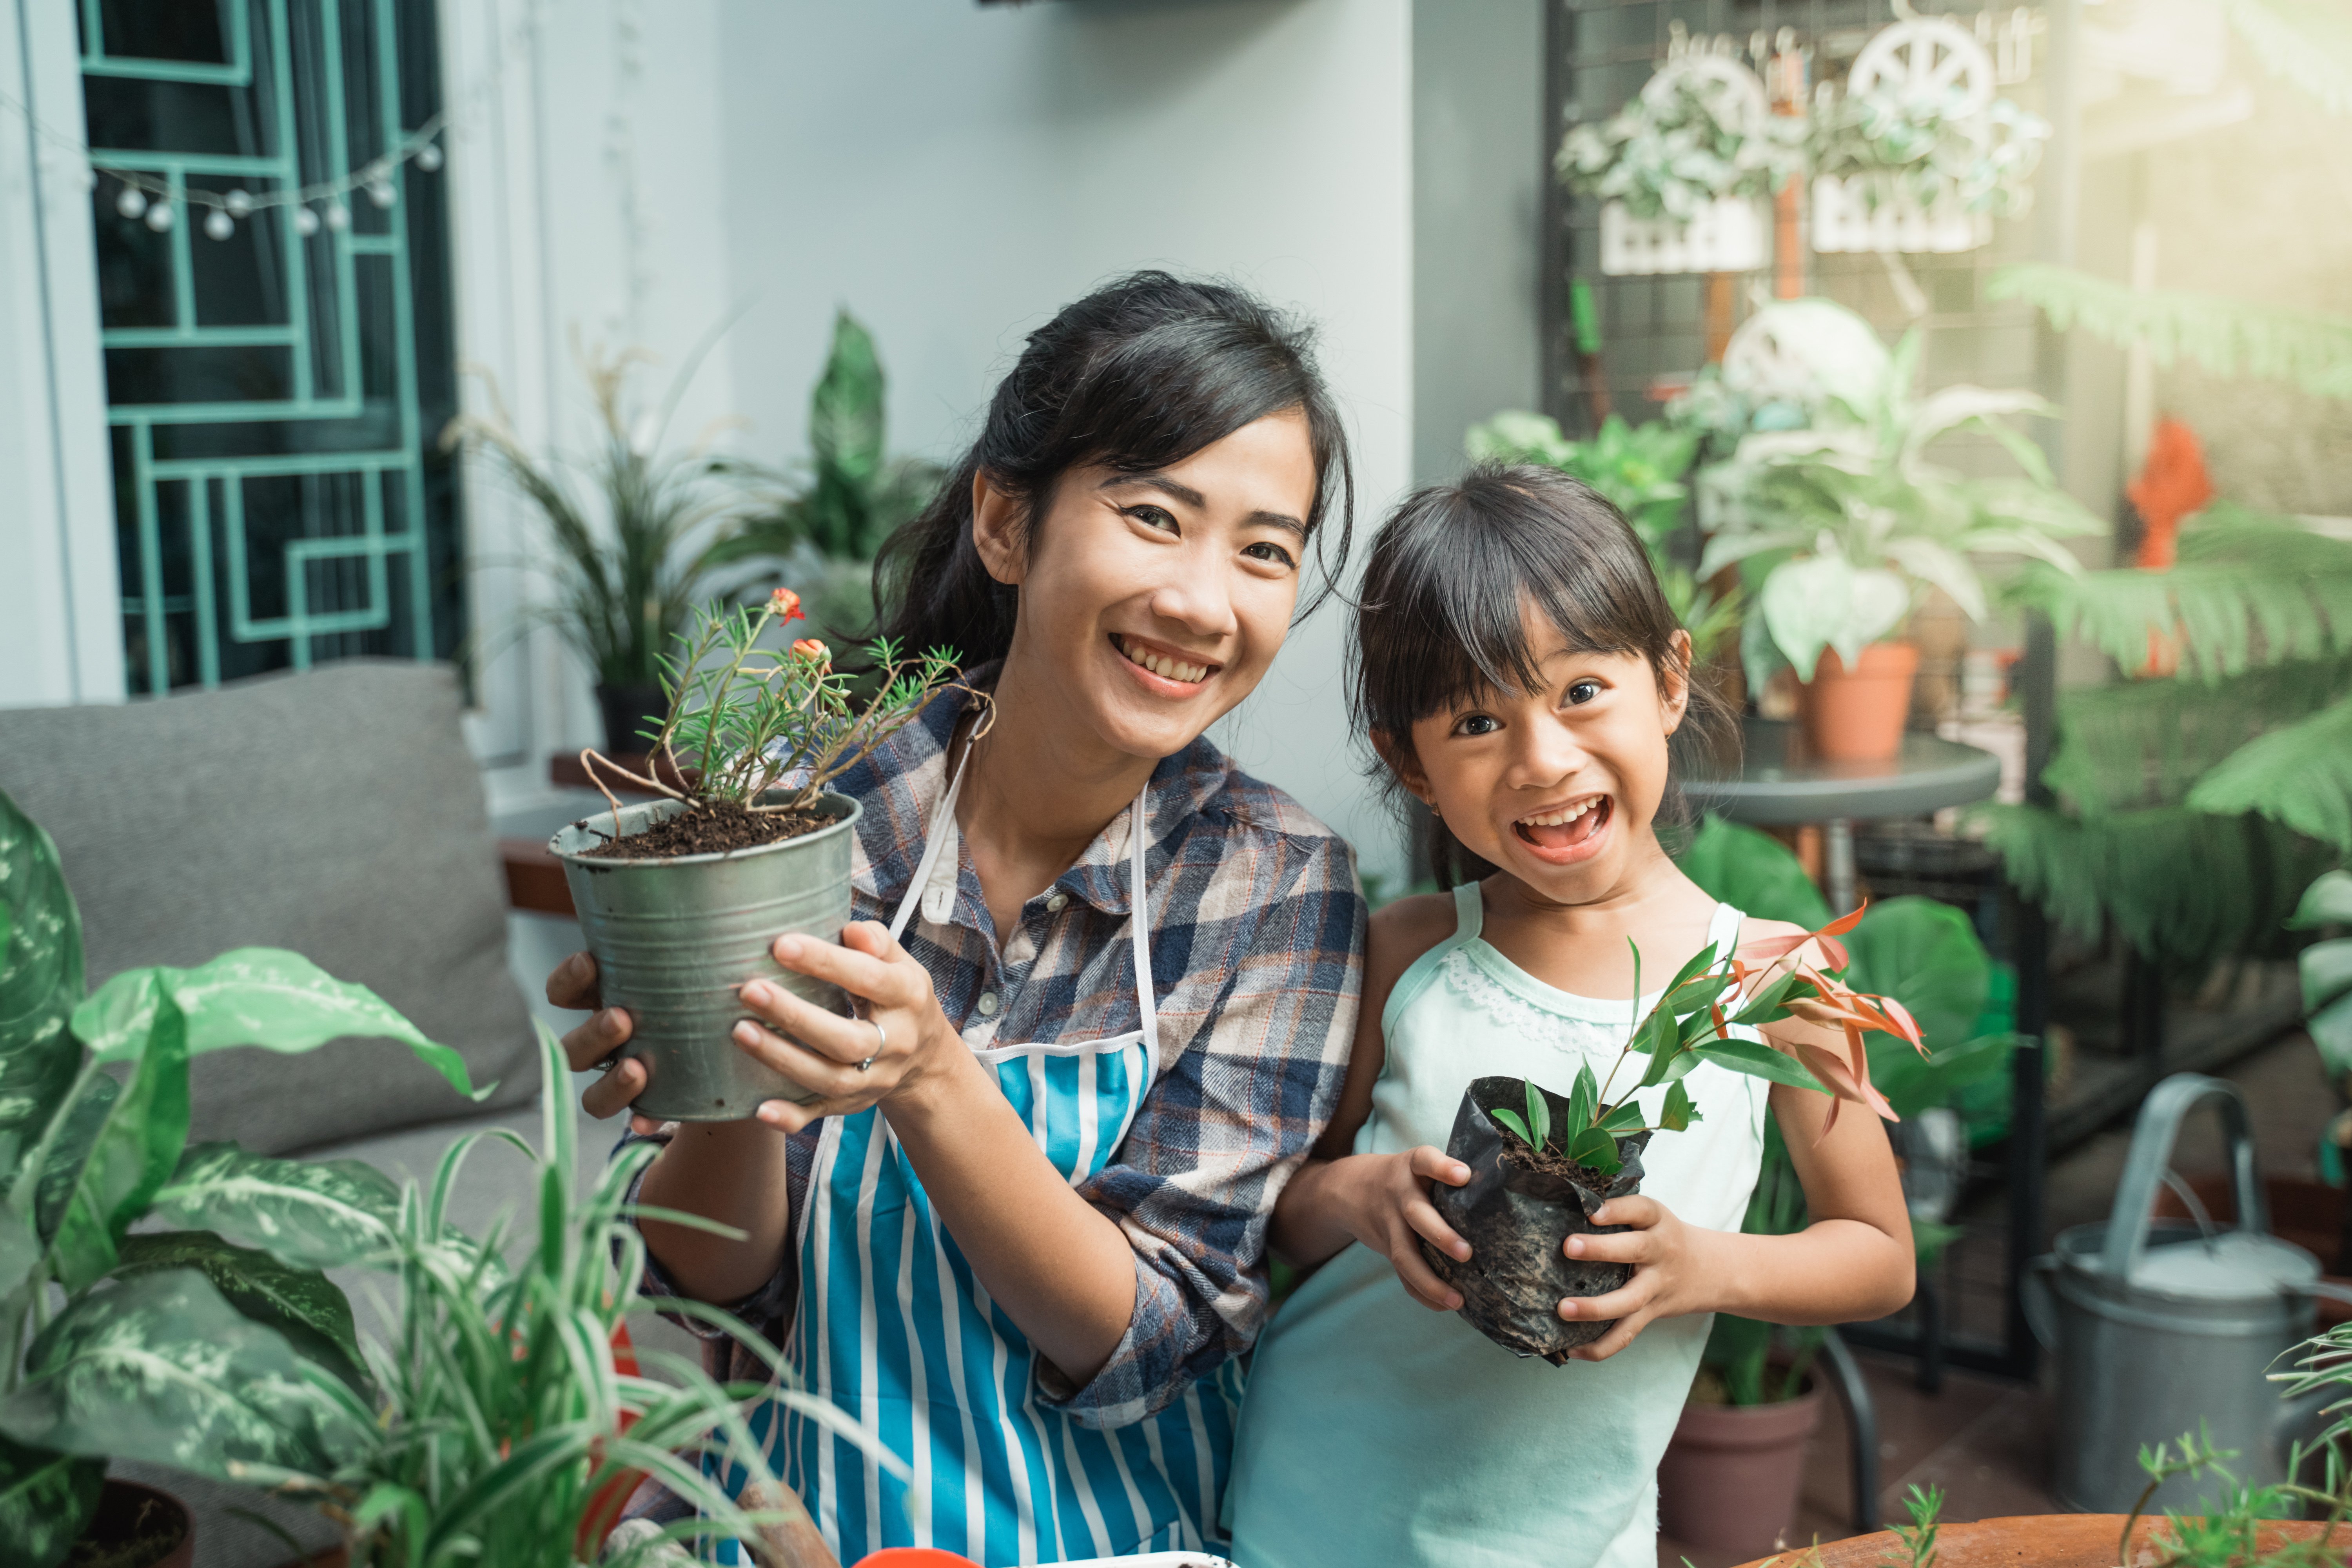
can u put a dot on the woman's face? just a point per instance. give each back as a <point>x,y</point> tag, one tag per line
<point>1558,786</point>
<point>1151,604</point>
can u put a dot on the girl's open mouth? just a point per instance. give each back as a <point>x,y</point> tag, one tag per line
<point>1163,669</point>
<point>1566,833</point>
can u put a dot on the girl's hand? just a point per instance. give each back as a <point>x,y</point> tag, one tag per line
<point>1672,1272</point>
<point>822,1050</point>
<point>572,984</point>
<point>1386,1206</point>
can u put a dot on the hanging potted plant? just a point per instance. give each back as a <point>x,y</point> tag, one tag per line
<point>1682,172</point>
<point>680,897</point>
<point>1839,528</point>
<point>1916,154</point>
<point>626,584</point>
<point>1541,1162</point>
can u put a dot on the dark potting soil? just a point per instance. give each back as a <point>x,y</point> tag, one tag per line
<point>707,828</point>
<point>130,1530</point>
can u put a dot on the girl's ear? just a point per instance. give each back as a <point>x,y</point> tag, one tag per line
<point>1674,680</point>
<point>1396,755</point>
<point>996,531</point>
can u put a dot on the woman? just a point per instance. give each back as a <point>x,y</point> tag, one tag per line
<point>1021,1231</point>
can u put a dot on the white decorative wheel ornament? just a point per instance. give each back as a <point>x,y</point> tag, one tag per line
<point>1921,59</point>
<point>1730,234</point>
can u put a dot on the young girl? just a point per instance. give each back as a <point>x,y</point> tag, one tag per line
<point>1519,673</point>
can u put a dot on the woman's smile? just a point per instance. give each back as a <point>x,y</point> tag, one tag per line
<point>1163,670</point>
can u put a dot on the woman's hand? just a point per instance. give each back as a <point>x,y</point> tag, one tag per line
<point>572,984</point>
<point>1384,1203</point>
<point>899,1038</point>
<point>1675,1272</point>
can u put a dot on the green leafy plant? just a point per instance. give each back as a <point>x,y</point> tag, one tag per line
<point>629,569</point>
<point>1668,153</point>
<point>1688,1025</point>
<point>2326,969</point>
<point>1837,527</point>
<point>1639,469</point>
<point>746,718</point>
<point>175,1346</point>
<point>1919,144</point>
<point>1918,1537</point>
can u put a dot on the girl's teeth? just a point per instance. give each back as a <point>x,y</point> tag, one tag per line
<point>1166,668</point>
<point>1562,819</point>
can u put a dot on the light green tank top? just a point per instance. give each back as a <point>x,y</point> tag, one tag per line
<point>1377,1431</point>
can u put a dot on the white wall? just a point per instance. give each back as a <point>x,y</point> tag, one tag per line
<point>954,174</point>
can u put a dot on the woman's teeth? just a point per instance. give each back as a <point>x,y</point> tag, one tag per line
<point>1165,667</point>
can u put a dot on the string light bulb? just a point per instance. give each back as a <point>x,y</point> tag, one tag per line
<point>428,158</point>
<point>380,193</point>
<point>159,216</point>
<point>132,202</point>
<point>239,203</point>
<point>219,225</point>
<point>306,222</point>
<point>338,217</point>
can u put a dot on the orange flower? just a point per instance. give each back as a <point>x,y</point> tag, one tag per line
<point>785,605</point>
<point>809,647</point>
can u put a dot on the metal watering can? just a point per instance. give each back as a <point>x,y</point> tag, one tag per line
<point>2161,1325</point>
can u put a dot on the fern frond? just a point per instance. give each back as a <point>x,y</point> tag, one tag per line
<point>2300,777</point>
<point>2139,743</point>
<point>2308,42</point>
<point>2248,591</point>
<point>2183,887</point>
<point>2228,337</point>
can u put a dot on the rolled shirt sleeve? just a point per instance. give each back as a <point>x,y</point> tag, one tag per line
<point>1232,1117</point>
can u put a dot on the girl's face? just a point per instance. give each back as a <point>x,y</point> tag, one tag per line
<point>1558,786</point>
<point>1151,604</point>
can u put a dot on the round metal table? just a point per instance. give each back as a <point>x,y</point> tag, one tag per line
<point>1780,784</point>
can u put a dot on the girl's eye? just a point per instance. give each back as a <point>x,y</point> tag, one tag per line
<point>1152,517</point>
<point>1476,724</point>
<point>1582,691</point>
<point>1265,550</point>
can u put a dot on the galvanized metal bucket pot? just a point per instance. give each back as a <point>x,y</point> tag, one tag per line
<point>674,940</point>
<point>2162,1326</point>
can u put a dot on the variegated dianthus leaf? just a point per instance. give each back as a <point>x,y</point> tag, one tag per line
<point>315,1214</point>
<point>46,1498</point>
<point>254,996</point>
<point>162,1369</point>
<point>302,1304</point>
<point>40,981</point>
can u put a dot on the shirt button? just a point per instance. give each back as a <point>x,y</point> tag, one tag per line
<point>988,1003</point>
<point>1057,902</point>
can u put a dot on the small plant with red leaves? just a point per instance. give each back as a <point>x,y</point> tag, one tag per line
<point>1769,982</point>
<point>746,720</point>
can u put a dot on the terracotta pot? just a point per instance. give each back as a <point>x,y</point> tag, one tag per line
<point>2033,1541</point>
<point>1857,715</point>
<point>914,1557</point>
<point>1730,1477</point>
<point>126,1512</point>
<point>2308,1212</point>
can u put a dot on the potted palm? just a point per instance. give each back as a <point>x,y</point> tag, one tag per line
<point>1840,527</point>
<point>820,527</point>
<point>626,584</point>
<point>681,897</point>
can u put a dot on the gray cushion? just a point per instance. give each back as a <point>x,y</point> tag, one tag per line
<point>336,813</point>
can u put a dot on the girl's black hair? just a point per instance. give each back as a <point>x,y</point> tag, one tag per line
<point>1440,617</point>
<point>1139,375</point>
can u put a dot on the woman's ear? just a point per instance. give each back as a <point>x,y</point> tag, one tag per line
<point>1397,755</point>
<point>1674,680</point>
<point>996,533</point>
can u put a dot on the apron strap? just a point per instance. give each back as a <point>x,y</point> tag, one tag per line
<point>933,840</point>
<point>1139,923</point>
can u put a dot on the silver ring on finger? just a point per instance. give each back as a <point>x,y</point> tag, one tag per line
<point>881,1039</point>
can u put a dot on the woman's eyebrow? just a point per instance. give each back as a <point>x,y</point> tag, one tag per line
<point>1193,498</point>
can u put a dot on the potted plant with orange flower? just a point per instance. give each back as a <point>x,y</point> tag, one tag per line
<point>682,897</point>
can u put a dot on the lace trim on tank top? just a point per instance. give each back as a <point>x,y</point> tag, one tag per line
<point>1508,1009</point>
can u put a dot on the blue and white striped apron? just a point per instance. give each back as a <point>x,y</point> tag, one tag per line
<point>893,1329</point>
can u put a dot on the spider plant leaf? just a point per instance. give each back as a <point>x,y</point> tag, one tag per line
<point>1679,1113</point>
<point>262,996</point>
<point>160,1369</point>
<point>45,1500</point>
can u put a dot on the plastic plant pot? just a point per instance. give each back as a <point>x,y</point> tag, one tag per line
<point>676,939</point>
<point>1857,715</point>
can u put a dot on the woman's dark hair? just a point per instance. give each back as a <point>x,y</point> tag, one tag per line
<point>1140,374</point>
<point>1440,617</point>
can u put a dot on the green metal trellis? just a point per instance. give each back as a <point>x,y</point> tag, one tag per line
<point>273,397</point>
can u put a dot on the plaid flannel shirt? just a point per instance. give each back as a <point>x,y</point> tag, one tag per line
<point>1257,944</point>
